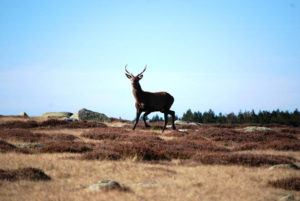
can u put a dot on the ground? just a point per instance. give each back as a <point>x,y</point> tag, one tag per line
<point>204,162</point>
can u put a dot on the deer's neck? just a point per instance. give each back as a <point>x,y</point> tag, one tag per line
<point>137,91</point>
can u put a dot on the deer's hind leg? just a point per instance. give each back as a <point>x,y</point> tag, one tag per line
<point>166,121</point>
<point>144,118</point>
<point>172,113</point>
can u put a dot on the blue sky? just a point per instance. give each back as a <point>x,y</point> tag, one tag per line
<point>224,55</point>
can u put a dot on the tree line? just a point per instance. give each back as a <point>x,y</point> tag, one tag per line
<point>262,117</point>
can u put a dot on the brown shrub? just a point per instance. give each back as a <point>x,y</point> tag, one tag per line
<point>101,155</point>
<point>119,120</point>
<point>21,135</point>
<point>32,174</point>
<point>26,135</point>
<point>146,146</point>
<point>150,138</point>
<point>187,126</point>
<point>287,184</point>
<point>60,147</point>
<point>84,124</point>
<point>249,140</point>
<point>101,136</point>
<point>195,145</point>
<point>188,150</point>
<point>119,134</point>
<point>104,133</point>
<point>290,130</point>
<point>241,159</point>
<point>175,133</point>
<point>142,151</point>
<point>115,150</point>
<point>6,147</point>
<point>51,123</point>
<point>281,145</point>
<point>55,123</point>
<point>19,124</point>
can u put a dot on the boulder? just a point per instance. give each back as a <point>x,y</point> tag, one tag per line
<point>57,114</point>
<point>23,114</point>
<point>88,115</point>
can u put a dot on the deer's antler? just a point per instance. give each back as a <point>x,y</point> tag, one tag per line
<point>127,72</point>
<point>142,71</point>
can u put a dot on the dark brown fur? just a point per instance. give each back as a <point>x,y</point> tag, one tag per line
<point>150,102</point>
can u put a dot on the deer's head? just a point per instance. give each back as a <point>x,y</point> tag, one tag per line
<point>134,79</point>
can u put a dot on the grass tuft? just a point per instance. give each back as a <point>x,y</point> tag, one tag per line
<point>287,184</point>
<point>32,174</point>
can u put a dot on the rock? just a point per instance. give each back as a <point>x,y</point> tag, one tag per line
<point>183,130</point>
<point>256,128</point>
<point>105,185</point>
<point>284,166</point>
<point>287,197</point>
<point>89,115</point>
<point>23,114</point>
<point>180,122</point>
<point>29,145</point>
<point>68,119</point>
<point>57,114</point>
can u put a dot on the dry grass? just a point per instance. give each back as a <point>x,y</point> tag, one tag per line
<point>147,181</point>
<point>209,162</point>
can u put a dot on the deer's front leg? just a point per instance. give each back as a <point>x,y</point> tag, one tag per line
<point>138,114</point>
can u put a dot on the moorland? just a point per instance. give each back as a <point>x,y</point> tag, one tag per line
<point>51,159</point>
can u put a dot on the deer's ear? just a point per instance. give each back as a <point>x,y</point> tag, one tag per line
<point>129,76</point>
<point>140,76</point>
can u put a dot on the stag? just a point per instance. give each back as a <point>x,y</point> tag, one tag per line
<point>148,102</point>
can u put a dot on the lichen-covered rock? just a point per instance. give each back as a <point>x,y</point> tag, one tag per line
<point>23,114</point>
<point>284,166</point>
<point>287,197</point>
<point>105,185</point>
<point>256,128</point>
<point>180,122</point>
<point>89,115</point>
<point>30,145</point>
<point>57,114</point>
<point>68,119</point>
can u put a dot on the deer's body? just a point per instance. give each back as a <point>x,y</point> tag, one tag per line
<point>150,102</point>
